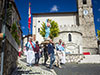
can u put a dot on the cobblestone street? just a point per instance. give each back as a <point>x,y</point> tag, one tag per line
<point>23,69</point>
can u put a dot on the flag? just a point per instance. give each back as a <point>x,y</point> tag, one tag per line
<point>29,18</point>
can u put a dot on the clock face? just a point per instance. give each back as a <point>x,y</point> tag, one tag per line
<point>85,12</point>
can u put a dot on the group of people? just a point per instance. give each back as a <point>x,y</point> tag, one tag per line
<point>54,51</point>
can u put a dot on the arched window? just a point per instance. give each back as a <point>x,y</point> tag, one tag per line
<point>84,2</point>
<point>38,21</point>
<point>38,29</point>
<point>69,37</point>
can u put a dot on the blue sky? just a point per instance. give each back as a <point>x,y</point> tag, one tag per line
<point>46,6</point>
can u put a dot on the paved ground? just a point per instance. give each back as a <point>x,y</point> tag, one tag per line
<point>79,69</point>
<point>67,69</point>
<point>23,69</point>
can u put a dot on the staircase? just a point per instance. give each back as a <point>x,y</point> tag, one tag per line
<point>23,69</point>
<point>91,59</point>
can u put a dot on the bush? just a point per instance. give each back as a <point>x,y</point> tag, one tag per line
<point>14,33</point>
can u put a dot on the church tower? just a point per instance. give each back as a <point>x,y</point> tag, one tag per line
<point>87,27</point>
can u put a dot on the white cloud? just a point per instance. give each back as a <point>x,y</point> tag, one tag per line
<point>23,35</point>
<point>54,9</point>
<point>98,20</point>
<point>99,9</point>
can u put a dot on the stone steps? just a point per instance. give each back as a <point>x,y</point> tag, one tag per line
<point>22,69</point>
<point>91,59</point>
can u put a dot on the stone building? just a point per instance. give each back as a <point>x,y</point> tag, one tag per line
<point>77,29</point>
<point>10,53</point>
<point>1,12</point>
<point>14,16</point>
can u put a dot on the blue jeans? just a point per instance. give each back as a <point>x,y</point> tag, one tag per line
<point>52,59</point>
<point>36,58</point>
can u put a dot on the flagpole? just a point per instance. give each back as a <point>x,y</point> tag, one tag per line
<point>28,36</point>
<point>29,21</point>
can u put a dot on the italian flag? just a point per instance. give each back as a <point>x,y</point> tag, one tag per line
<point>29,18</point>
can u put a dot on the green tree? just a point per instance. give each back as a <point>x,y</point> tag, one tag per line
<point>98,32</point>
<point>42,30</point>
<point>14,32</point>
<point>54,29</point>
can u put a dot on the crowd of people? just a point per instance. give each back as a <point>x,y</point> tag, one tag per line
<point>56,53</point>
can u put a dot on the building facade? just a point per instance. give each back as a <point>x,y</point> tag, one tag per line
<point>2,2</point>
<point>77,29</point>
<point>13,17</point>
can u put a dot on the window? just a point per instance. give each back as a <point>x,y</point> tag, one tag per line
<point>38,29</point>
<point>69,37</point>
<point>38,21</point>
<point>84,2</point>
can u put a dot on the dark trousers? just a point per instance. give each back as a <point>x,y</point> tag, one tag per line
<point>45,57</point>
<point>37,58</point>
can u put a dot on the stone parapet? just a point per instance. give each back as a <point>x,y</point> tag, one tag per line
<point>71,28</point>
<point>74,58</point>
<point>92,59</point>
<point>70,58</point>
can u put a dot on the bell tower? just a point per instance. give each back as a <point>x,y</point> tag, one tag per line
<point>86,24</point>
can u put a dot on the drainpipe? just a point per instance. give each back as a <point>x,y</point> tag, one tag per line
<point>3,34</point>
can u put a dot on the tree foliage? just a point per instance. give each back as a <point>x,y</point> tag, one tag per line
<point>14,32</point>
<point>98,32</point>
<point>42,30</point>
<point>54,30</point>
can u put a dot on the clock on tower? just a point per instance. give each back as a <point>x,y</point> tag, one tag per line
<point>85,12</point>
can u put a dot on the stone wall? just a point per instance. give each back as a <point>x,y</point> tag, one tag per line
<point>1,10</point>
<point>10,54</point>
<point>71,58</point>
<point>74,58</point>
<point>73,46</point>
